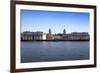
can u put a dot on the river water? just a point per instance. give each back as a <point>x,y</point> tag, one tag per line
<point>43,51</point>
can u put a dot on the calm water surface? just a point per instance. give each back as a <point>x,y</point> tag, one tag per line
<point>54,51</point>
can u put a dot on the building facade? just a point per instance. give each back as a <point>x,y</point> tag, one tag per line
<point>49,36</point>
<point>33,36</point>
<point>76,36</point>
<point>27,35</point>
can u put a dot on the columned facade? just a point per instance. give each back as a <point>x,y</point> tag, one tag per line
<point>33,36</point>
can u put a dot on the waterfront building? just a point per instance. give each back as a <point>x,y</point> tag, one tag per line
<point>66,37</point>
<point>76,36</point>
<point>27,35</point>
<point>49,36</point>
<point>79,36</point>
<point>57,37</point>
<point>39,36</point>
<point>33,36</point>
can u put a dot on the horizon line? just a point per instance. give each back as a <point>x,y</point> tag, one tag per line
<point>55,33</point>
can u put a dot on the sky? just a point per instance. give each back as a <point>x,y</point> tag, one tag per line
<point>32,20</point>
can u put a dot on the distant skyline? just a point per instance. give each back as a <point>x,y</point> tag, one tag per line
<point>32,20</point>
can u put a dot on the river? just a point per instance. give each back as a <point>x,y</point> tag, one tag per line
<point>44,51</point>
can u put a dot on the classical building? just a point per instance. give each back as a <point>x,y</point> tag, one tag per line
<point>39,36</point>
<point>80,36</point>
<point>33,36</point>
<point>57,37</point>
<point>76,36</point>
<point>49,36</point>
<point>27,35</point>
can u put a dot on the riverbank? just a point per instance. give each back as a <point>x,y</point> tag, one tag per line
<point>55,40</point>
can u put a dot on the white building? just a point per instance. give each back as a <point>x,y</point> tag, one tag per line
<point>33,36</point>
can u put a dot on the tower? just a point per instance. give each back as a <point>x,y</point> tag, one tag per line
<point>64,31</point>
<point>50,31</point>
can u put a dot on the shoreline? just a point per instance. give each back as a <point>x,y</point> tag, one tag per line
<point>52,40</point>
